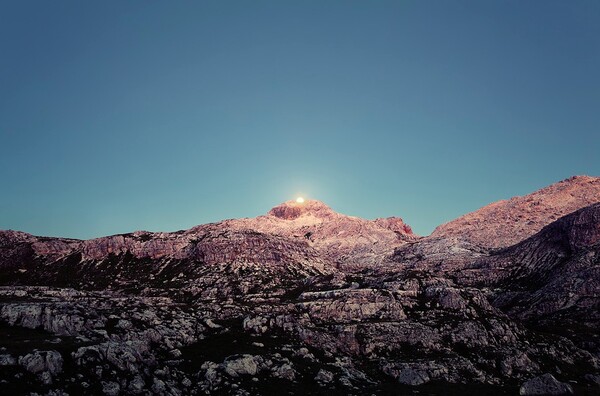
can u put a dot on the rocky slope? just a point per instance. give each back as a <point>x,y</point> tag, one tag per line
<point>306,300</point>
<point>505,223</point>
<point>554,276</point>
<point>454,247</point>
<point>198,265</point>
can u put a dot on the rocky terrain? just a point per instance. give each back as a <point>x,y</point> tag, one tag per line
<point>304,300</point>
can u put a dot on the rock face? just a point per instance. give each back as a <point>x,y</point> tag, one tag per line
<point>314,302</point>
<point>505,223</point>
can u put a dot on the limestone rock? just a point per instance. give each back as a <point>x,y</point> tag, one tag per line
<point>545,385</point>
<point>411,376</point>
<point>40,361</point>
<point>243,365</point>
<point>111,388</point>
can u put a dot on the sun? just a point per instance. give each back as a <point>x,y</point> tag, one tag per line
<point>300,200</point>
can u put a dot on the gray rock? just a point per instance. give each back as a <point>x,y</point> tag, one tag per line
<point>258,325</point>
<point>285,371</point>
<point>42,361</point>
<point>111,388</point>
<point>7,360</point>
<point>244,365</point>
<point>211,375</point>
<point>136,385</point>
<point>324,376</point>
<point>211,324</point>
<point>545,385</point>
<point>411,376</point>
<point>45,377</point>
<point>593,378</point>
<point>158,387</point>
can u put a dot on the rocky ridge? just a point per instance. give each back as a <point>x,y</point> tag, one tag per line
<point>505,223</point>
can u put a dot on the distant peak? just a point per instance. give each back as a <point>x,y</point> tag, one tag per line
<point>293,209</point>
<point>507,222</point>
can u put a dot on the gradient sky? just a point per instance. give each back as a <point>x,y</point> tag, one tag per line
<point>160,115</point>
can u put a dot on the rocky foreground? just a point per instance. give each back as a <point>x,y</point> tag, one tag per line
<point>304,300</point>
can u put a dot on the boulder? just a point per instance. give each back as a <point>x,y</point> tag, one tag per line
<point>40,361</point>
<point>545,385</point>
<point>243,365</point>
<point>411,376</point>
<point>111,388</point>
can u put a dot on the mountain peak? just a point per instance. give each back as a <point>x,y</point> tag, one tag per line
<point>291,210</point>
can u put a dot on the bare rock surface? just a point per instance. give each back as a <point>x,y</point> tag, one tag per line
<point>505,223</point>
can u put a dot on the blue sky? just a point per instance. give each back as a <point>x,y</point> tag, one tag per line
<point>125,115</point>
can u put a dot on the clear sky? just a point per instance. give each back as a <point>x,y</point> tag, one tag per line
<point>160,115</point>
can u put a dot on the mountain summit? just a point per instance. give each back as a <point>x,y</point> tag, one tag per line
<point>342,240</point>
<point>291,210</point>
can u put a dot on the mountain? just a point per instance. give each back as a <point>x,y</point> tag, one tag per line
<point>202,263</point>
<point>454,247</point>
<point>295,240</point>
<point>505,223</point>
<point>554,276</point>
<point>306,300</point>
<point>346,241</point>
